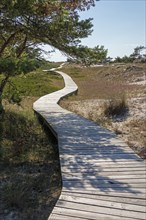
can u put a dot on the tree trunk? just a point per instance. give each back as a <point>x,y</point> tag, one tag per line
<point>2,86</point>
<point>22,47</point>
<point>1,106</point>
<point>10,38</point>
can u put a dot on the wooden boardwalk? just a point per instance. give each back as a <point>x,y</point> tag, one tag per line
<point>102,178</point>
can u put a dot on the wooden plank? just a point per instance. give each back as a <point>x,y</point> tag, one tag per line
<point>105,180</point>
<point>119,189</point>
<point>126,191</point>
<point>99,154</point>
<point>124,194</point>
<point>102,175</point>
<point>74,143</point>
<point>103,197</point>
<point>79,143</point>
<point>79,215</point>
<point>86,215</point>
<point>99,210</point>
<point>102,203</point>
<point>106,165</point>
<point>107,185</point>
<point>99,168</point>
<point>105,169</point>
<point>75,161</point>
<point>64,217</point>
<point>96,151</point>
<point>96,157</point>
<point>71,144</point>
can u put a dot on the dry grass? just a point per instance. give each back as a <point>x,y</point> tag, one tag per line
<point>116,107</point>
<point>30,172</point>
<point>101,82</point>
<point>138,131</point>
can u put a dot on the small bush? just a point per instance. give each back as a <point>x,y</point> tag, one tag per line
<point>116,107</point>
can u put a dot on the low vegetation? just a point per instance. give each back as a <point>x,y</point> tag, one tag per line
<point>105,82</point>
<point>116,107</point>
<point>30,171</point>
<point>36,83</point>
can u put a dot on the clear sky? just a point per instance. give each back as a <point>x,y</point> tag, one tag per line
<point>119,25</point>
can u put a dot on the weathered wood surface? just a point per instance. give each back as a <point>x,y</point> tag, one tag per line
<point>102,178</point>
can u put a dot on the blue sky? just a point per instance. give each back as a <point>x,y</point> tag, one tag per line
<point>119,25</point>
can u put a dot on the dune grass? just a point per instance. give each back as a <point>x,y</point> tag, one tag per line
<point>116,107</point>
<point>101,82</point>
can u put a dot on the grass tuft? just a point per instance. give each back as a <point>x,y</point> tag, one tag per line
<point>116,107</point>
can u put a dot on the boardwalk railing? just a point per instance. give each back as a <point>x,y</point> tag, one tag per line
<point>102,178</point>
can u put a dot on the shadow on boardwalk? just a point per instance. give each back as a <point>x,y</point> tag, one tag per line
<point>94,163</point>
<point>84,148</point>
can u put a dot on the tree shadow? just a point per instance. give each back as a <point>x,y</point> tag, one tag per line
<point>93,160</point>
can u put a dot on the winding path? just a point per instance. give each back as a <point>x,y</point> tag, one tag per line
<point>102,178</point>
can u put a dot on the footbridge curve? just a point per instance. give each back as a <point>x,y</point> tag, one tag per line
<point>102,178</point>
